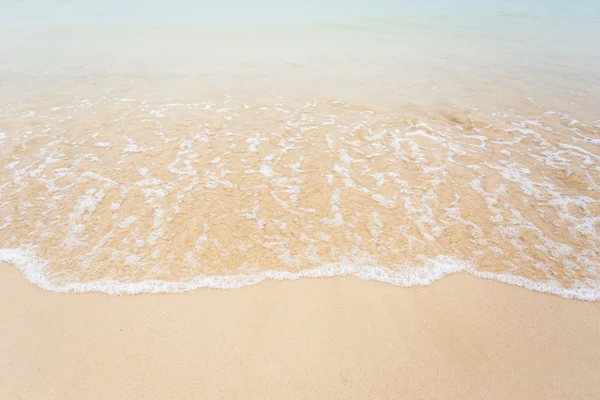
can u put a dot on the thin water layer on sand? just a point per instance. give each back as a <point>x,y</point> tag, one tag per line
<point>128,195</point>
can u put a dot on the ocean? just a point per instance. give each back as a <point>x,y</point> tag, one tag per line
<point>163,146</point>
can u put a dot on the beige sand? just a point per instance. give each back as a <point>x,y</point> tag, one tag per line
<point>461,338</point>
<point>132,190</point>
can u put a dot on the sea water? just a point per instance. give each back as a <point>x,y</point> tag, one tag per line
<point>158,146</point>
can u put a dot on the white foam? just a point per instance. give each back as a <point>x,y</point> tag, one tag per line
<point>267,171</point>
<point>426,149</point>
<point>34,267</point>
<point>12,164</point>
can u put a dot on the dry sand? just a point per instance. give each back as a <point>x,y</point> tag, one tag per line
<point>460,338</point>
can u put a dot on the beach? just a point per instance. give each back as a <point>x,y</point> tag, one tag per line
<point>149,152</point>
<point>317,199</point>
<point>334,338</point>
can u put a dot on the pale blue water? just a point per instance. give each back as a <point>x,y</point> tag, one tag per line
<point>462,52</point>
<point>17,13</point>
<point>523,39</point>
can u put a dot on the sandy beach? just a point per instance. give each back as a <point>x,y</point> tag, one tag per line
<point>338,338</point>
<point>332,199</point>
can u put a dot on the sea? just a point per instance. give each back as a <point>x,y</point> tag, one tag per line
<point>164,146</point>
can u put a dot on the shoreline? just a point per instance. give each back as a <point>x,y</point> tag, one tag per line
<point>436,269</point>
<point>340,337</point>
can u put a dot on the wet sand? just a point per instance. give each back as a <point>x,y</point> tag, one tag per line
<point>135,196</point>
<point>461,337</point>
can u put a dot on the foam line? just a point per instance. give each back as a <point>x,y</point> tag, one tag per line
<point>33,268</point>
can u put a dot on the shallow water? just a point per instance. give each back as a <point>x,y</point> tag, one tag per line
<point>155,148</point>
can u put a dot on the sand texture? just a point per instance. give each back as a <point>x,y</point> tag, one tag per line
<point>170,195</point>
<point>334,338</point>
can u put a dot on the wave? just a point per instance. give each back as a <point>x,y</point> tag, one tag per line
<point>123,196</point>
<point>33,269</point>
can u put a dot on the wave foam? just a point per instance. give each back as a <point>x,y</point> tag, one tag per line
<point>189,191</point>
<point>33,268</point>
